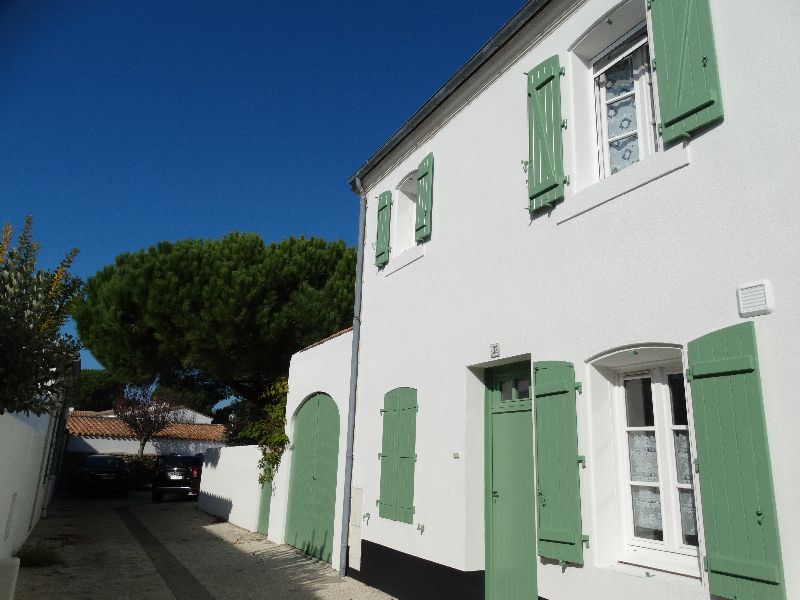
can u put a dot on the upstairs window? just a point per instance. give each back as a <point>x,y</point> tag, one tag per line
<point>405,214</point>
<point>624,104</point>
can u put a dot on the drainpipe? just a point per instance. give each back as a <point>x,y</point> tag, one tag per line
<point>358,189</point>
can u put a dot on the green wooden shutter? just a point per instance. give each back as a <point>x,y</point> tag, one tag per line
<point>422,225</point>
<point>407,457</point>
<point>686,66</point>
<point>398,455</point>
<point>557,476</point>
<point>387,504</point>
<point>545,153</point>
<point>384,220</point>
<point>740,523</point>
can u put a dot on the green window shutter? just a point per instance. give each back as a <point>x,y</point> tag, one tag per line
<point>387,504</point>
<point>398,455</point>
<point>545,153</point>
<point>422,224</point>
<point>557,476</point>
<point>384,220</point>
<point>741,531</point>
<point>686,66</point>
<point>407,457</point>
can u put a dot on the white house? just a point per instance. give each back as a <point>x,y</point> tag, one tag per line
<point>576,322</point>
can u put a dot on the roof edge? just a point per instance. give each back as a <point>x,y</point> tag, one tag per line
<point>481,57</point>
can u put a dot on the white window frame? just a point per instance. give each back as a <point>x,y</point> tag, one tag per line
<point>635,45</point>
<point>671,554</point>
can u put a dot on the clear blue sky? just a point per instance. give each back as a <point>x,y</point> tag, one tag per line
<point>126,123</point>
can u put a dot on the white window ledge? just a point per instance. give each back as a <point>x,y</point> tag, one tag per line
<point>619,184</point>
<point>679,564</point>
<point>403,260</point>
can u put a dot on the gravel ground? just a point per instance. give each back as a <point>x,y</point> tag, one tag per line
<point>132,549</point>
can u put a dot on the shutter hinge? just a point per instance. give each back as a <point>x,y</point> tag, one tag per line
<point>653,62</point>
<point>579,387</point>
<point>525,164</point>
<point>566,179</point>
<point>562,71</point>
<point>563,123</point>
<point>382,410</point>
<point>582,460</point>
<point>415,458</point>
<point>379,455</point>
<point>649,4</point>
<point>705,564</point>
<point>585,540</point>
<point>688,371</point>
<point>697,466</point>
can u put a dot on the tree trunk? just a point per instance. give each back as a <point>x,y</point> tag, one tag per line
<point>142,444</point>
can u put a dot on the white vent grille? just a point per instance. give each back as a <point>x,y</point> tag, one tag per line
<point>755,299</point>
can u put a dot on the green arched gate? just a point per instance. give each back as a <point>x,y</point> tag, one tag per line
<point>312,484</point>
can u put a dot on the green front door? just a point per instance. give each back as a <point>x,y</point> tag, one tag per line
<point>510,519</point>
<point>312,484</point>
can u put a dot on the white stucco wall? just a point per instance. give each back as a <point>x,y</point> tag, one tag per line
<point>658,263</point>
<point>127,446</point>
<point>24,487</point>
<point>323,368</point>
<point>229,486</point>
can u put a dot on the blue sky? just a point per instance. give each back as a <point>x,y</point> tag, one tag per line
<point>126,123</point>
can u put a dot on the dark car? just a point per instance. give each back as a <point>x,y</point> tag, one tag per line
<point>177,474</point>
<point>101,473</point>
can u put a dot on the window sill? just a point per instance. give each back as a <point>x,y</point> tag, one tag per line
<point>635,176</point>
<point>679,564</point>
<point>403,260</point>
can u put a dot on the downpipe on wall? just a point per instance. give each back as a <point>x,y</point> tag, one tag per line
<point>358,189</point>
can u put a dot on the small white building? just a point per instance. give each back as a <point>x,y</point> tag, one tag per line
<point>104,433</point>
<point>579,310</point>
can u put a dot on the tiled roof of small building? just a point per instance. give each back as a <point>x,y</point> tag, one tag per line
<point>106,427</point>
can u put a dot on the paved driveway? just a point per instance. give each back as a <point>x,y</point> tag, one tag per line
<point>133,549</point>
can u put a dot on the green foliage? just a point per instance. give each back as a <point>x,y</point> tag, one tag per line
<point>36,359</point>
<point>229,311</point>
<point>97,390</point>
<point>269,432</point>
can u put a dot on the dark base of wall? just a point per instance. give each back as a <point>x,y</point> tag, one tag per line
<point>409,577</point>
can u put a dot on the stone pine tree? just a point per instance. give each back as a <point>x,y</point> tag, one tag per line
<point>227,314</point>
<point>36,358</point>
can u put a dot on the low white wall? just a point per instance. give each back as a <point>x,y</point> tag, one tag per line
<point>24,486</point>
<point>127,446</point>
<point>229,488</point>
<point>323,368</point>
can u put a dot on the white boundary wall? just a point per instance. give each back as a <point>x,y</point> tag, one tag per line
<point>24,443</point>
<point>129,446</point>
<point>323,368</point>
<point>229,487</point>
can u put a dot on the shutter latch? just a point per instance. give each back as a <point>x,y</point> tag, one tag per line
<point>697,466</point>
<point>582,460</point>
<point>688,371</point>
<point>585,540</point>
<point>579,387</point>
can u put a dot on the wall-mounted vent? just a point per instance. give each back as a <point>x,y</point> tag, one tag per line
<point>755,299</point>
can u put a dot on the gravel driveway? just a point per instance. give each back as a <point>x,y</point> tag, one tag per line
<point>133,549</point>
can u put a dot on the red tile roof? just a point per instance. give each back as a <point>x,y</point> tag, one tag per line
<point>111,427</point>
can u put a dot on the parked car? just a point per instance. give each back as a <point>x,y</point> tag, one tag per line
<point>100,473</point>
<point>177,474</point>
